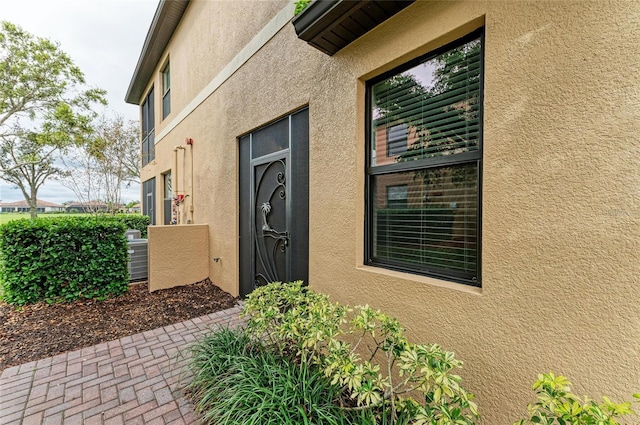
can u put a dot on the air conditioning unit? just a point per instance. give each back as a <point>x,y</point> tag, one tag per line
<point>132,234</point>
<point>138,259</point>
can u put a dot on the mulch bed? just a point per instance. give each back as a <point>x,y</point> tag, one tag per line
<point>41,330</point>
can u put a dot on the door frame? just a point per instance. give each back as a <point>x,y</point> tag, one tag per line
<point>297,199</point>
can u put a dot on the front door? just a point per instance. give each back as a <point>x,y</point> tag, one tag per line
<point>274,203</point>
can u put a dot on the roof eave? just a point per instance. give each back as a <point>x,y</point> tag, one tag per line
<point>164,23</point>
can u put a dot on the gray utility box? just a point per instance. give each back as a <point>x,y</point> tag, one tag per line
<point>138,259</point>
<point>132,234</point>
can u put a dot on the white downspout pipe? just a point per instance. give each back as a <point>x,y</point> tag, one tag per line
<point>192,184</point>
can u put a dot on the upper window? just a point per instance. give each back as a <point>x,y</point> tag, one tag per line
<point>166,91</point>
<point>148,129</point>
<point>425,160</point>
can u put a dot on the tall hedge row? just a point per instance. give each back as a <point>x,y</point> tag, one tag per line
<point>62,259</point>
<point>134,221</point>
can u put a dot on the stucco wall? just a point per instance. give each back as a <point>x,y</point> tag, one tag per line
<point>560,194</point>
<point>178,255</point>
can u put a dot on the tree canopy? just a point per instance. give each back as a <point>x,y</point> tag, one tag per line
<point>45,107</point>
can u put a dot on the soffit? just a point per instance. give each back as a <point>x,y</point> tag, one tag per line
<point>330,25</point>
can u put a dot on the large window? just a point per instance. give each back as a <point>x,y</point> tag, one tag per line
<point>148,129</point>
<point>425,160</point>
<point>166,91</point>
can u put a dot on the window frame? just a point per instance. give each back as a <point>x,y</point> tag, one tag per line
<point>165,75</point>
<point>426,163</point>
<point>148,127</point>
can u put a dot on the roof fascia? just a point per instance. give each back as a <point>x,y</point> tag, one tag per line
<point>165,21</point>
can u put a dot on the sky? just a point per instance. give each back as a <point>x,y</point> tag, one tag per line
<point>104,38</point>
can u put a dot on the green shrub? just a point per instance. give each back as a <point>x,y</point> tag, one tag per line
<point>62,259</point>
<point>135,222</point>
<point>300,6</point>
<point>297,321</point>
<point>556,404</point>
<point>238,382</point>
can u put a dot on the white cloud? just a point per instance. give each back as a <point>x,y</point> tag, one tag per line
<point>104,38</point>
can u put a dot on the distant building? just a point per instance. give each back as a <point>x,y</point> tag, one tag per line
<point>87,207</point>
<point>22,206</point>
<point>136,208</point>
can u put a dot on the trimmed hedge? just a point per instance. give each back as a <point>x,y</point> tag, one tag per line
<point>134,221</point>
<point>62,259</point>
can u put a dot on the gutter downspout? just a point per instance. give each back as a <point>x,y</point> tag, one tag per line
<point>192,182</point>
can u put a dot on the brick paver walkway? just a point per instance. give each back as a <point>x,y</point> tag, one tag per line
<point>133,380</point>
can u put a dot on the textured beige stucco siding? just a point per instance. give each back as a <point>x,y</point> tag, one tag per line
<point>560,181</point>
<point>178,255</point>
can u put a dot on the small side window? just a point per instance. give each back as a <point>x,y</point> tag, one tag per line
<point>148,129</point>
<point>166,91</point>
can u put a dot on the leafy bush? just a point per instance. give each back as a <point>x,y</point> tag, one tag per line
<point>238,382</point>
<point>556,404</point>
<point>135,222</point>
<point>305,324</point>
<point>300,6</point>
<point>62,259</point>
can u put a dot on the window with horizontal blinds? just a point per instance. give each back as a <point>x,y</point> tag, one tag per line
<point>425,153</point>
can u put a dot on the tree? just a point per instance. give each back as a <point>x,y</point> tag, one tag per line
<point>44,108</point>
<point>109,161</point>
<point>34,165</point>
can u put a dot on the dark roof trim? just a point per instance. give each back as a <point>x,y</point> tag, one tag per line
<point>330,25</point>
<point>165,21</point>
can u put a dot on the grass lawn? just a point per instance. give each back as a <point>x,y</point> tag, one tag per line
<point>7,217</point>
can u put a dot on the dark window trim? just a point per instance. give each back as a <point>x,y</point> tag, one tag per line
<point>331,25</point>
<point>419,164</point>
<point>371,171</point>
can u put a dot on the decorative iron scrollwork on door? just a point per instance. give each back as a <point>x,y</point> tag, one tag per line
<point>270,221</point>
